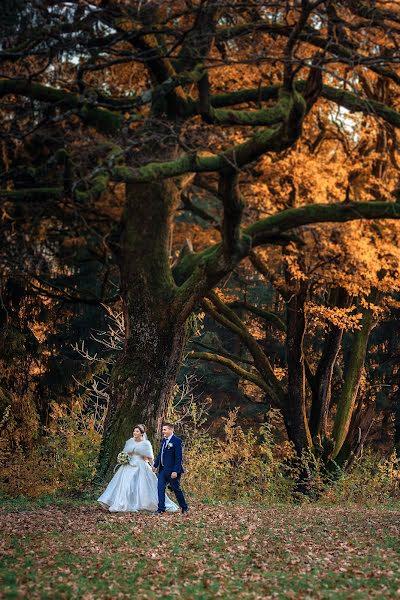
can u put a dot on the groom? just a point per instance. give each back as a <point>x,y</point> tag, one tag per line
<point>169,465</point>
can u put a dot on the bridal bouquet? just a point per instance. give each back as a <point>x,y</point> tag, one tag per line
<point>123,458</point>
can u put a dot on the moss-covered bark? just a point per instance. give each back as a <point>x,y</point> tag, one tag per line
<point>104,120</point>
<point>270,229</point>
<point>341,97</point>
<point>360,426</point>
<point>320,213</point>
<point>291,109</point>
<point>352,378</point>
<point>142,382</point>
<point>144,378</point>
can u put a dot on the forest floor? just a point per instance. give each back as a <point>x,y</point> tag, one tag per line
<point>75,550</point>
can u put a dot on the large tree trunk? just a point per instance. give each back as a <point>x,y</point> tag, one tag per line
<point>144,378</point>
<point>142,384</point>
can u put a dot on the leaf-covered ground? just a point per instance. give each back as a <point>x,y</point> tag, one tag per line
<point>79,551</point>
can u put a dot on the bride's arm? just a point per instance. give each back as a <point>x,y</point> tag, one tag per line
<point>129,448</point>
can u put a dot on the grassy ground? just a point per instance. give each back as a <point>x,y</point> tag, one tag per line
<point>75,550</point>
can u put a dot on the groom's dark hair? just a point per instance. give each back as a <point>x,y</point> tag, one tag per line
<point>167,424</point>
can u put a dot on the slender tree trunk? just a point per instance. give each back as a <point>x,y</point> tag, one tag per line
<point>322,384</point>
<point>397,421</point>
<point>144,378</point>
<point>352,378</point>
<point>322,390</point>
<point>294,409</point>
<point>359,429</point>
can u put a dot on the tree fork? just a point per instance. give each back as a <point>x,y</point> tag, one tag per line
<point>322,383</point>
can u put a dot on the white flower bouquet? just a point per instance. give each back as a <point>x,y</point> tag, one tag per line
<point>123,458</point>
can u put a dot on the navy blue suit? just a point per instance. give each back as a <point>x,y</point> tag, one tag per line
<point>168,462</point>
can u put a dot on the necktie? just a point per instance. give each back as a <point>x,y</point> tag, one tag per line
<point>162,451</point>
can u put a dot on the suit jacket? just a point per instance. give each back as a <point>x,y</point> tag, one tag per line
<point>172,457</point>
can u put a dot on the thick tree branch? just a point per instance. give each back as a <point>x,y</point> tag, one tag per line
<point>234,367</point>
<point>233,357</point>
<point>341,97</point>
<point>217,116</point>
<point>295,410</point>
<point>227,317</point>
<point>162,71</point>
<point>102,119</point>
<point>260,312</point>
<point>337,212</point>
<point>274,139</point>
<point>233,204</point>
<point>352,379</point>
<point>197,272</point>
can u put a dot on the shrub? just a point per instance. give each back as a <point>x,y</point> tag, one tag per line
<point>245,466</point>
<point>240,466</point>
<point>374,480</point>
<point>63,459</point>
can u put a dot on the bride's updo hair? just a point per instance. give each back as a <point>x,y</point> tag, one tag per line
<point>141,428</point>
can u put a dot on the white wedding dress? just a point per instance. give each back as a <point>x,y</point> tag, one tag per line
<point>134,486</point>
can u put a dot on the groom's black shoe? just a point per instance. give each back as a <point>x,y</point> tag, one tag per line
<point>159,512</point>
<point>185,510</point>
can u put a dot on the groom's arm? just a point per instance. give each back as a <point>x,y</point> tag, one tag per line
<point>178,457</point>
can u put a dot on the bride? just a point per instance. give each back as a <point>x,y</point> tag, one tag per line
<point>134,486</point>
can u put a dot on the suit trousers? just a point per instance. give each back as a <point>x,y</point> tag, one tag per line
<point>164,479</point>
